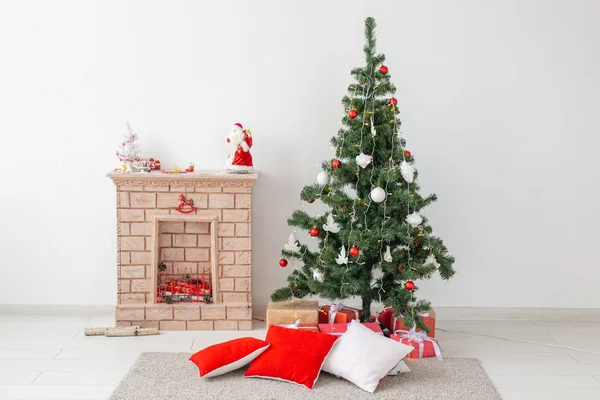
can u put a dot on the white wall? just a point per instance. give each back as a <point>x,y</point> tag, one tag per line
<point>499,103</point>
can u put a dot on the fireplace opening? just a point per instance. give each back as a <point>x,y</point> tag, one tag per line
<point>184,255</point>
<point>188,288</point>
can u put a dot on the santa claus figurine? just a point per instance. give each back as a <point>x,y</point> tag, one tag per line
<point>240,142</point>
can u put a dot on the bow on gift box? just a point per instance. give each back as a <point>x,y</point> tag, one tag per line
<point>420,338</point>
<point>334,308</point>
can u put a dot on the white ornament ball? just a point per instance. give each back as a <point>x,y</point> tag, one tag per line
<point>323,178</point>
<point>378,195</point>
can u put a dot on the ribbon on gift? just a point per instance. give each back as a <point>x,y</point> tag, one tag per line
<point>338,333</point>
<point>334,308</point>
<point>295,325</point>
<point>420,338</point>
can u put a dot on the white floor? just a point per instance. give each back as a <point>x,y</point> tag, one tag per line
<point>44,355</point>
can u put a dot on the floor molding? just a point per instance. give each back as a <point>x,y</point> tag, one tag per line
<point>498,313</point>
<point>443,313</point>
<point>516,314</point>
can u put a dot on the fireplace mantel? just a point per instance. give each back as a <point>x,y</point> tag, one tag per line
<point>203,178</point>
<point>214,239</point>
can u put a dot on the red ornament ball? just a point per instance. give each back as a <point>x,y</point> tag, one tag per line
<point>409,285</point>
<point>336,163</point>
<point>354,251</point>
<point>393,101</point>
<point>384,70</point>
<point>283,262</point>
<point>407,153</point>
<point>314,232</point>
<point>352,114</point>
<point>310,201</point>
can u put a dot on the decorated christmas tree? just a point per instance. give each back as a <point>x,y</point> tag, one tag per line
<point>373,242</point>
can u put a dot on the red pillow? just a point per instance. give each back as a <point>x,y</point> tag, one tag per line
<point>225,357</point>
<point>295,355</point>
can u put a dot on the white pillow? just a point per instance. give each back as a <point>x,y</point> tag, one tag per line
<point>363,357</point>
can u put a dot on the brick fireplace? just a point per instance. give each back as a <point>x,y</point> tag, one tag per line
<point>188,269</point>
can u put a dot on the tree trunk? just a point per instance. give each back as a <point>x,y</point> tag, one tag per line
<point>366,309</point>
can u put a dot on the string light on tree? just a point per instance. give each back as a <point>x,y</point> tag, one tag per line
<point>373,130</point>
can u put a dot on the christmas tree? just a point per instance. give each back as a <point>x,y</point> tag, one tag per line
<point>373,241</point>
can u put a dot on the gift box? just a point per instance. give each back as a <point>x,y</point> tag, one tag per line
<point>424,345</point>
<point>427,317</point>
<point>386,317</point>
<point>340,329</point>
<point>297,325</point>
<point>309,328</point>
<point>288,312</point>
<point>338,314</point>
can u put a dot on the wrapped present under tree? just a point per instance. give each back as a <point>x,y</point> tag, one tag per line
<point>338,314</point>
<point>288,312</point>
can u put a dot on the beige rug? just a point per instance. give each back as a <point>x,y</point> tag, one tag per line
<point>163,376</point>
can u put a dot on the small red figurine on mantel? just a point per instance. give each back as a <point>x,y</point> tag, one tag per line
<point>154,164</point>
<point>185,203</point>
<point>240,142</point>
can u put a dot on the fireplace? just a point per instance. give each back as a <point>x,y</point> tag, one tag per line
<point>184,250</point>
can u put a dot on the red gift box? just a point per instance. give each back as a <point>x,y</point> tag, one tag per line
<point>424,345</point>
<point>339,329</point>
<point>386,317</point>
<point>338,314</point>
